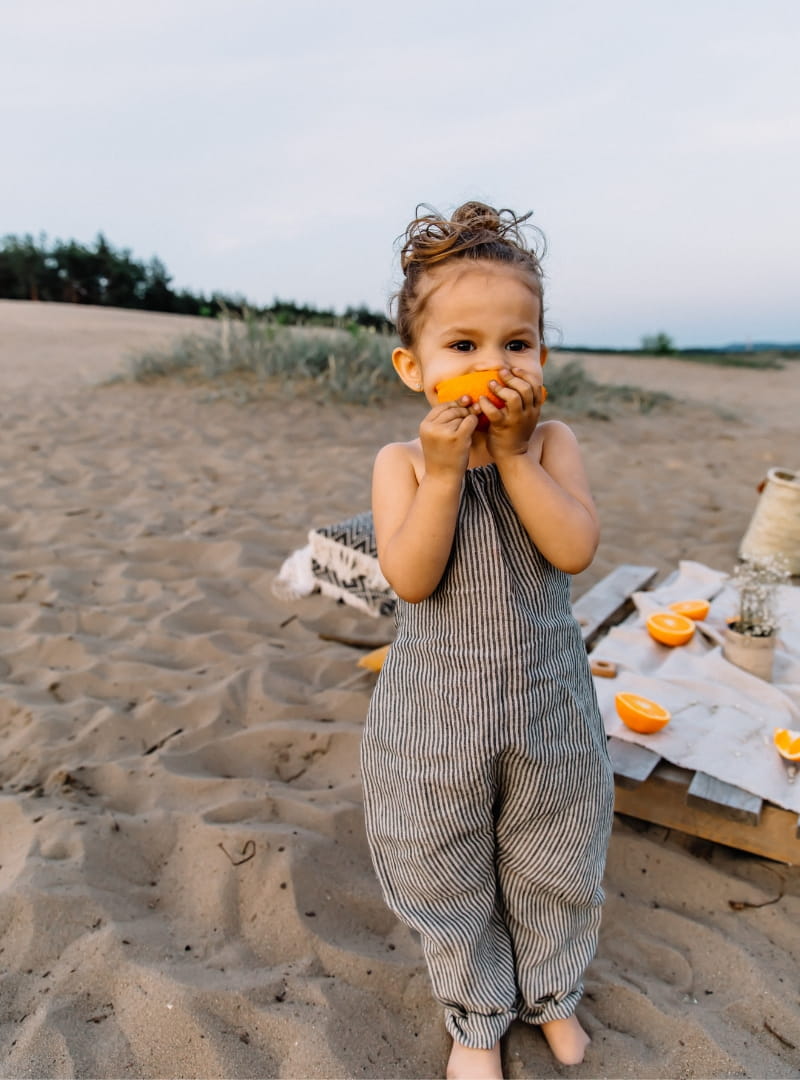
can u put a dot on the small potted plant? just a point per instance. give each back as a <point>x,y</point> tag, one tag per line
<point>751,635</point>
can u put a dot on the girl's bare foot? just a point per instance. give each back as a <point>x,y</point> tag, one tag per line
<point>567,1039</point>
<point>468,1064</point>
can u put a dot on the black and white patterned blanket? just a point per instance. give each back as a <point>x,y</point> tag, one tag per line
<point>340,560</point>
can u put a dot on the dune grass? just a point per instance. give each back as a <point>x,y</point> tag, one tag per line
<point>336,365</point>
<point>766,359</point>
<point>571,388</point>
<point>249,357</point>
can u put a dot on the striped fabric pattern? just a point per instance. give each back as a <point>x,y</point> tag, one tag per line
<point>488,788</point>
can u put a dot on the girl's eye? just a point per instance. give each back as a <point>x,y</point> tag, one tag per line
<point>517,346</point>
<point>463,346</point>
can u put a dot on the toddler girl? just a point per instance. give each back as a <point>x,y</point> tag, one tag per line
<point>488,788</point>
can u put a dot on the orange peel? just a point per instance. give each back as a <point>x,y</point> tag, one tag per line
<point>670,628</point>
<point>474,385</point>
<point>692,609</point>
<point>640,713</point>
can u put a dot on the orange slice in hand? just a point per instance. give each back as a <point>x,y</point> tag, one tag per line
<point>641,714</point>
<point>475,384</point>
<point>692,609</point>
<point>670,628</point>
<point>787,743</point>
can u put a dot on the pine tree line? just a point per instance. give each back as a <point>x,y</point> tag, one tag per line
<point>71,272</point>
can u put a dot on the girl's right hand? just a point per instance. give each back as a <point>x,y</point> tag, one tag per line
<point>446,438</point>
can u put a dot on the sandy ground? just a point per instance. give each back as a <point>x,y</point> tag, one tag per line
<point>185,888</point>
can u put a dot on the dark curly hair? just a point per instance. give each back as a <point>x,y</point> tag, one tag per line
<point>475,231</point>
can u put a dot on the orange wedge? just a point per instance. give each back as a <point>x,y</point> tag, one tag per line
<point>787,743</point>
<point>641,714</point>
<point>670,628</point>
<point>374,660</point>
<point>475,384</point>
<point>692,609</point>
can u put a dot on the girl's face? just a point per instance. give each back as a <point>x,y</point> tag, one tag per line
<point>477,316</point>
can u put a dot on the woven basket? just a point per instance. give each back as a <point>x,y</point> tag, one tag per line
<point>774,528</point>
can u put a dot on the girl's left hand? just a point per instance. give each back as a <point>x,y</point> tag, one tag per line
<point>510,429</point>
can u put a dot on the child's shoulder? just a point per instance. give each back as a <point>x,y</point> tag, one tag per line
<point>554,432</point>
<point>397,456</point>
<point>555,445</point>
<point>555,426</point>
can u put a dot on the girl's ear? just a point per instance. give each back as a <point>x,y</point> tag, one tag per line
<point>543,355</point>
<point>407,367</point>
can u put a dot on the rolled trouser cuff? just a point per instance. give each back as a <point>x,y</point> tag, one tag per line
<point>478,1031</point>
<point>554,1008</point>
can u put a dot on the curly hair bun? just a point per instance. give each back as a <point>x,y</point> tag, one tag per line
<point>474,231</point>
<point>477,215</point>
<point>431,237</point>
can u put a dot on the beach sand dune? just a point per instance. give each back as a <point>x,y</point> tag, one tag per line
<point>185,887</point>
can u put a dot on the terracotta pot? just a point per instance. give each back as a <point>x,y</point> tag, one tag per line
<point>753,654</point>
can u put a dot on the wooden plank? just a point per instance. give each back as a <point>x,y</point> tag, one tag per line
<point>609,601</point>
<point>632,764</point>
<point>661,799</point>
<point>708,793</point>
<point>663,794</point>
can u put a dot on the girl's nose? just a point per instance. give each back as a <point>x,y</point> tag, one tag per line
<point>491,359</point>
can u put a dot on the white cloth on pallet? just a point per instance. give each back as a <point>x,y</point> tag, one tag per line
<point>723,718</point>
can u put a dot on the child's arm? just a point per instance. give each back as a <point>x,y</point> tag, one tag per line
<point>543,474</point>
<point>550,492</point>
<point>415,497</point>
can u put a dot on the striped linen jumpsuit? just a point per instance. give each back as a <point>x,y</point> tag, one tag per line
<point>488,788</point>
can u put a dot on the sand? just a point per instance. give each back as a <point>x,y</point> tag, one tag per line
<point>185,887</point>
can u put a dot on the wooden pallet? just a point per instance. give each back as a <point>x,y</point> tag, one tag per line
<point>654,790</point>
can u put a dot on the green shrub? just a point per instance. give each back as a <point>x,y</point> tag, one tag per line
<point>340,365</point>
<point>352,365</point>
<point>572,389</point>
<point>659,344</point>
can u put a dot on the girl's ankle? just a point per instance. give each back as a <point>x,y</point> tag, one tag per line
<point>567,1040</point>
<point>467,1063</point>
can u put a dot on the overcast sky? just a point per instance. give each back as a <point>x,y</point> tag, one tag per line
<point>278,149</point>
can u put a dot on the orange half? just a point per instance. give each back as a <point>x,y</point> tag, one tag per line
<point>787,743</point>
<point>641,714</point>
<point>692,609</point>
<point>670,628</point>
